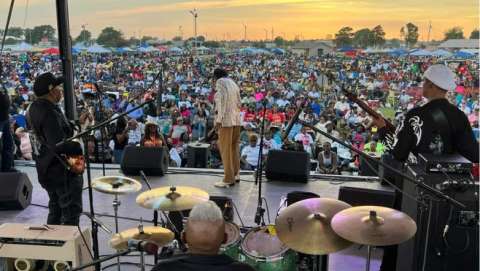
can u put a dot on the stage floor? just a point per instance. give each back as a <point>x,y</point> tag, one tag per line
<point>244,195</point>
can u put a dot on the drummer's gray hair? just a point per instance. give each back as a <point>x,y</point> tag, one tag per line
<point>206,211</point>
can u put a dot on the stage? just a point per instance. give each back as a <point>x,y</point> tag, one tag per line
<point>244,196</point>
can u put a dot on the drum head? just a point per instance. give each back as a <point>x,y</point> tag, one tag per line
<point>263,242</point>
<point>233,234</point>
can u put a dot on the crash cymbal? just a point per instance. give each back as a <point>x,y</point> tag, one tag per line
<point>175,198</point>
<point>374,225</point>
<point>116,185</point>
<point>157,235</point>
<point>305,226</point>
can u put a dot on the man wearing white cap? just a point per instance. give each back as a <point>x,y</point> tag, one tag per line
<point>438,127</point>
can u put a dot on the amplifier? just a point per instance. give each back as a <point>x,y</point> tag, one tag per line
<point>32,247</point>
<point>449,163</point>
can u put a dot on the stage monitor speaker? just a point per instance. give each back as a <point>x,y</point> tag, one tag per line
<point>288,166</point>
<point>356,196</point>
<point>198,155</point>
<point>152,160</point>
<point>16,192</point>
<point>435,245</point>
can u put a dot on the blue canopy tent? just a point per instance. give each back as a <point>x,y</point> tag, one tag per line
<point>346,49</point>
<point>398,52</point>
<point>123,50</point>
<point>421,52</point>
<point>463,54</point>
<point>97,49</point>
<point>441,53</point>
<point>278,51</point>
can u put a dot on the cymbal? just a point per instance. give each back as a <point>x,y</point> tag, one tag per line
<point>374,225</point>
<point>305,226</point>
<point>175,198</point>
<point>157,235</point>
<point>116,185</point>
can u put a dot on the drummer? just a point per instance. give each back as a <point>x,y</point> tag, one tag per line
<point>204,234</point>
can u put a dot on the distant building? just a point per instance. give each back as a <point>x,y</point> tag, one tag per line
<point>312,48</point>
<point>457,44</point>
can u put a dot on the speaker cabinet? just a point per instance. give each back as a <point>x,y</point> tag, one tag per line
<point>198,155</point>
<point>288,166</point>
<point>356,196</point>
<point>16,191</point>
<point>153,161</point>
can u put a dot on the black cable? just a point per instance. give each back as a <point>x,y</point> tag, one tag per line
<point>85,241</point>
<point>238,214</point>
<point>268,210</point>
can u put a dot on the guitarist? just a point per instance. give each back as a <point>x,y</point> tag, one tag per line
<point>50,127</point>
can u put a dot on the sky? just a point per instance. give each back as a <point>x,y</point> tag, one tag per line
<point>225,19</point>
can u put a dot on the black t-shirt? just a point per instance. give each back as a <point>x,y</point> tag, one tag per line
<point>203,263</point>
<point>420,133</point>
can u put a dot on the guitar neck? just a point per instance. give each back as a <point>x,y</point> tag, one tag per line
<point>388,125</point>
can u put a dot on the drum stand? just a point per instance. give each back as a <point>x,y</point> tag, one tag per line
<point>369,256</point>
<point>116,203</point>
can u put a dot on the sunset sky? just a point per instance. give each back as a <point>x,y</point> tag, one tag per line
<point>219,19</point>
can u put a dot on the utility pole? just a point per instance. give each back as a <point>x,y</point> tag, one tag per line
<point>195,16</point>
<point>84,36</point>
<point>429,30</point>
<point>244,32</point>
<point>266,34</point>
<point>272,34</point>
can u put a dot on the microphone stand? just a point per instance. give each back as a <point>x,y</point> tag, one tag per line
<point>83,135</point>
<point>101,260</point>
<point>259,215</point>
<point>435,192</point>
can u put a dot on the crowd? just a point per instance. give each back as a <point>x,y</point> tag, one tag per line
<point>272,87</point>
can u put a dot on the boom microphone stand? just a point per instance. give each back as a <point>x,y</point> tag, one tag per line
<point>84,134</point>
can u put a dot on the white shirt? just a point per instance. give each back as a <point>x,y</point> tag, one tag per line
<point>306,140</point>
<point>251,154</point>
<point>342,152</point>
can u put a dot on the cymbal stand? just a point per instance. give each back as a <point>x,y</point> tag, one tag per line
<point>142,254</point>
<point>116,203</point>
<point>369,256</point>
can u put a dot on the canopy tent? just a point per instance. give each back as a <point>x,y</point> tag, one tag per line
<point>421,52</point>
<point>278,51</point>
<point>162,48</point>
<point>470,51</point>
<point>51,51</point>
<point>21,47</point>
<point>97,49</point>
<point>441,53</point>
<point>346,49</point>
<point>463,54</point>
<point>146,49</point>
<point>398,52</point>
<point>175,50</point>
<point>75,51</point>
<point>123,50</point>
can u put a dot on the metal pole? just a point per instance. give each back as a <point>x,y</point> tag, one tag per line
<point>65,45</point>
<point>369,255</point>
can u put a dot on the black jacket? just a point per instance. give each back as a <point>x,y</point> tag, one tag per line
<point>4,105</point>
<point>419,133</point>
<point>203,263</point>
<point>50,127</point>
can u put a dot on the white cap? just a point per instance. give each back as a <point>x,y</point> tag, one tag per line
<point>441,76</point>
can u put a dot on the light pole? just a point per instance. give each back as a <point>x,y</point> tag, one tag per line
<point>244,32</point>
<point>266,34</point>
<point>195,15</point>
<point>84,34</point>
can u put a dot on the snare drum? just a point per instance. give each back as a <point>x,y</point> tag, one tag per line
<point>232,245</point>
<point>265,252</point>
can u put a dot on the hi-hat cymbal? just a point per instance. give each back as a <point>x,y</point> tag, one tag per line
<point>175,198</point>
<point>305,226</point>
<point>157,235</point>
<point>374,225</point>
<point>116,185</point>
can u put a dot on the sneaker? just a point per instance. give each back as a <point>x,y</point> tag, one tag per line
<point>237,178</point>
<point>223,184</point>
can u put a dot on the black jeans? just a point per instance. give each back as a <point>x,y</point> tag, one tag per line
<point>65,205</point>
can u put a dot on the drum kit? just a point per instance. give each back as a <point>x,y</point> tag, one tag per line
<point>315,226</point>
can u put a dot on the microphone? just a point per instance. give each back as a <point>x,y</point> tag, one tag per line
<point>142,246</point>
<point>293,120</point>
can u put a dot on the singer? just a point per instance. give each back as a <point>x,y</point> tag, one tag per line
<point>227,125</point>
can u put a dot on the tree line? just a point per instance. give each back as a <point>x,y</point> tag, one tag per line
<point>375,37</point>
<point>111,37</point>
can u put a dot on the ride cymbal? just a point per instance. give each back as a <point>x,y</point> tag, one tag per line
<point>116,185</point>
<point>157,235</point>
<point>175,198</point>
<point>305,226</point>
<point>374,225</point>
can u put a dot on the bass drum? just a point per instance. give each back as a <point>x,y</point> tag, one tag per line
<point>262,249</point>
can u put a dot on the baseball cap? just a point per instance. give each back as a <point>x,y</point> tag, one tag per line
<point>46,82</point>
<point>441,76</point>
